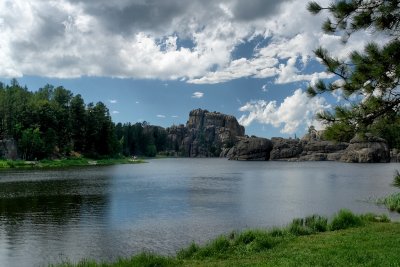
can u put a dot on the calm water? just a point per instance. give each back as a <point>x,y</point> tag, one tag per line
<point>108,212</point>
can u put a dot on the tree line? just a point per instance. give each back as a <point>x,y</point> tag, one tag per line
<point>52,122</point>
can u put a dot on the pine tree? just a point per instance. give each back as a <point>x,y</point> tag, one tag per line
<point>373,74</point>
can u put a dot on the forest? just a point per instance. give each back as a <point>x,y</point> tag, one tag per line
<point>52,122</point>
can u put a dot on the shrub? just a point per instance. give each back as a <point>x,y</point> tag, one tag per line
<point>316,223</point>
<point>396,179</point>
<point>345,219</point>
<point>256,240</point>
<point>246,237</point>
<point>392,202</point>
<point>297,227</point>
<point>188,252</point>
<point>370,217</point>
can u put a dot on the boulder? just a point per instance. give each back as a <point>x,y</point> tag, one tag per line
<point>251,148</point>
<point>285,148</point>
<point>366,149</point>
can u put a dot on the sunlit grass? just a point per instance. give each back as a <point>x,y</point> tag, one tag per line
<point>64,163</point>
<point>319,242</point>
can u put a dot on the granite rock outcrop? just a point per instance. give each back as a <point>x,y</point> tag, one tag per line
<point>213,134</point>
<point>206,134</point>
<point>366,149</point>
<point>251,148</point>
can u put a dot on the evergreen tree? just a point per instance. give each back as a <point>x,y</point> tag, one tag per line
<point>373,74</point>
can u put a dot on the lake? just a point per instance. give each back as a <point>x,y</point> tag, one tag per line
<point>108,212</point>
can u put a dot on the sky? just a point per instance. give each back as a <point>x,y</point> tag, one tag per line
<point>155,60</point>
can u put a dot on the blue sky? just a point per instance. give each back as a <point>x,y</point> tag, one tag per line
<point>157,60</point>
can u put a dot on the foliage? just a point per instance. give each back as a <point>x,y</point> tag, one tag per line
<point>309,225</point>
<point>396,179</point>
<point>63,163</point>
<point>52,122</point>
<point>371,77</point>
<point>392,202</point>
<point>345,219</point>
<point>141,139</point>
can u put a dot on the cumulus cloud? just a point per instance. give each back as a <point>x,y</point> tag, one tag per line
<point>115,112</point>
<point>163,39</point>
<point>160,116</point>
<point>295,113</point>
<point>197,95</point>
<point>113,101</point>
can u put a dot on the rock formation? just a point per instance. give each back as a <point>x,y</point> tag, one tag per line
<point>285,148</point>
<point>206,134</point>
<point>366,149</point>
<point>251,148</point>
<point>212,134</point>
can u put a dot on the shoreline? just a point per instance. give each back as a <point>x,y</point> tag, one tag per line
<point>64,163</point>
<point>347,239</point>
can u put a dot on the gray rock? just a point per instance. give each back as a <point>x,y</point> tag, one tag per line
<point>324,146</point>
<point>314,157</point>
<point>206,134</point>
<point>285,148</point>
<point>251,148</point>
<point>366,149</point>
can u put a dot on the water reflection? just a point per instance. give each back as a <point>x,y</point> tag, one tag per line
<point>161,206</point>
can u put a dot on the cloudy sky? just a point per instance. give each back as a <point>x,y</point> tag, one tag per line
<point>155,60</point>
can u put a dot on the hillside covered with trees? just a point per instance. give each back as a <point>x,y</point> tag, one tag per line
<point>52,122</point>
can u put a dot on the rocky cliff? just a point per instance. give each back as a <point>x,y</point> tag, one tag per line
<point>212,134</point>
<point>206,134</point>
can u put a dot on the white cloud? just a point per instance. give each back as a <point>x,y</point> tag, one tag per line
<point>160,116</point>
<point>290,73</point>
<point>296,112</point>
<point>113,101</point>
<point>264,88</point>
<point>115,112</point>
<point>69,38</point>
<point>174,116</point>
<point>137,102</point>
<point>197,95</point>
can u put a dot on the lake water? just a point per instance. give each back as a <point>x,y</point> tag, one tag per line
<point>108,212</point>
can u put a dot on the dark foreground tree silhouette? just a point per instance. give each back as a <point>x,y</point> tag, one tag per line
<point>372,76</point>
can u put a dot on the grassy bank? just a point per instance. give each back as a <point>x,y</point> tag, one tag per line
<point>347,240</point>
<point>64,163</point>
<point>392,202</point>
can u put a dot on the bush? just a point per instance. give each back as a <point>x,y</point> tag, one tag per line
<point>297,227</point>
<point>370,217</point>
<point>345,219</point>
<point>392,202</point>
<point>255,240</point>
<point>188,252</point>
<point>396,179</point>
<point>316,223</point>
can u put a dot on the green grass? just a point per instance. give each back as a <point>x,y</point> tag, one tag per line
<point>367,240</point>
<point>64,163</point>
<point>396,179</point>
<point>392,202</point>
